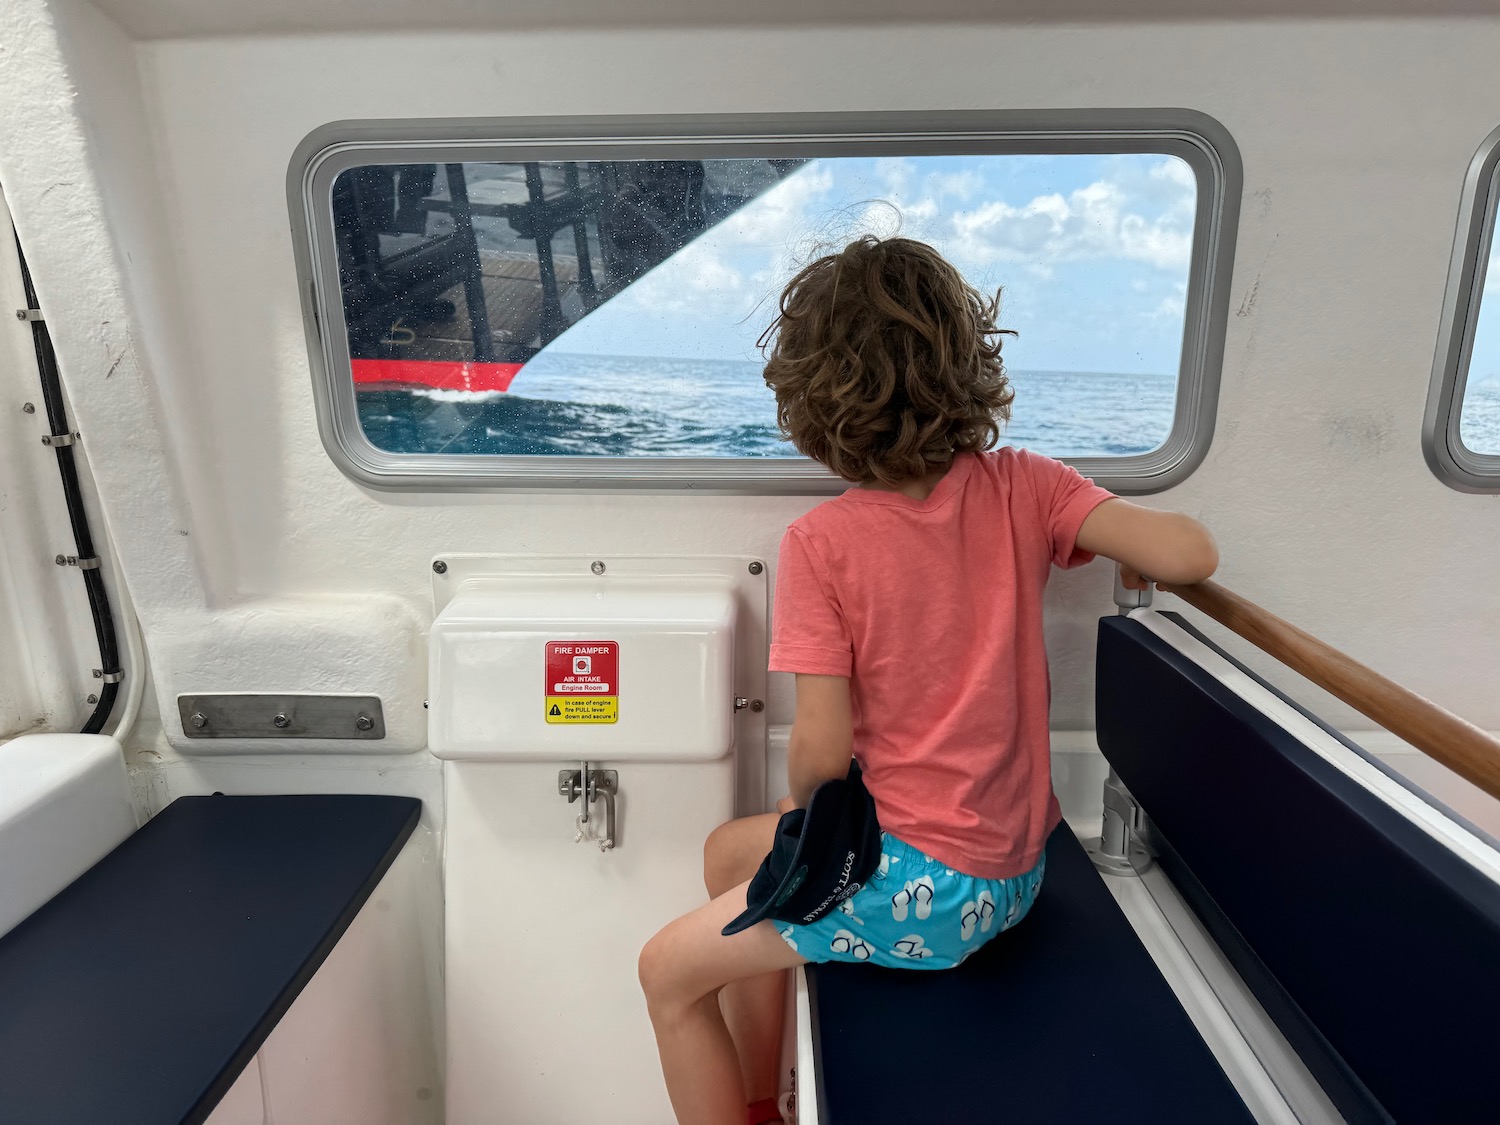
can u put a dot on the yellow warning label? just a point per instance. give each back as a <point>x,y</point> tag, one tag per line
<point>583,709</point>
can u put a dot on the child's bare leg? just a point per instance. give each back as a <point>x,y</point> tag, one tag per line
<point>753,1007</point>
<point>682,969</point>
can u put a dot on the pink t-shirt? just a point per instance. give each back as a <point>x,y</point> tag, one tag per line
<point>933,609</point>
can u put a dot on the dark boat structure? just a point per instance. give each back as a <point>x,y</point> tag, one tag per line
<point>454,275</point>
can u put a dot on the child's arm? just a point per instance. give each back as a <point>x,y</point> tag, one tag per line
<point>822,739</point>
<point>1167,546</point>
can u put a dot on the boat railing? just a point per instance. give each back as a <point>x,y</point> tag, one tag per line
<point>1459,745</point>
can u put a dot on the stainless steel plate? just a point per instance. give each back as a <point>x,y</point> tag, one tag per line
<point>241,715</point>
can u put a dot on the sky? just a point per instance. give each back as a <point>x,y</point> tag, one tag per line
<point>1484,363</point>
<point>1091,252</point>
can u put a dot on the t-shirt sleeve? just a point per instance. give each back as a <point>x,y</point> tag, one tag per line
<point>1066,497</point>
<point>808,631</point>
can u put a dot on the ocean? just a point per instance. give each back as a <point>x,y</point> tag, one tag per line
<point>1479,423</point>
<point>630,406</point>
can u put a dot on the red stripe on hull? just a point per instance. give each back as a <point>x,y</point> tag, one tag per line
<point>441,375</point>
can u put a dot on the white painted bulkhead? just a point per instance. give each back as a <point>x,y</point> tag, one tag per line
<point>154,218</point>
<point>160,198</point>
<point>541,926</point>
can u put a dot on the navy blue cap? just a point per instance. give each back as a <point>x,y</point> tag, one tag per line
<point>821,855</point>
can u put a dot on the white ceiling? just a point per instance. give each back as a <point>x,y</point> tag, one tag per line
<point>159,19</point>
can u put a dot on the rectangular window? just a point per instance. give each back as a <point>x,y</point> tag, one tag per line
<point>1461,432</point>
<point>570,308</point>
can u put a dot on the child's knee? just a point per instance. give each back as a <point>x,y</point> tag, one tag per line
<point>654,968</point>
<point>733,852</point>
<point>720,860</point>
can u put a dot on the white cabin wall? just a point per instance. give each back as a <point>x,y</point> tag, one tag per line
<point>47,645</point>
<point>67,114</point>
<point>93,215</point>
<point>100,59</point>
<point>1355,138</point>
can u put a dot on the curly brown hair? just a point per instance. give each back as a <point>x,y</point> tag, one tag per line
<point>886,362</point>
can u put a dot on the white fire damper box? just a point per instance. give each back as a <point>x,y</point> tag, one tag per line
<point>614,666</point>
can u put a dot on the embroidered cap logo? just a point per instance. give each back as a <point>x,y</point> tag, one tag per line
<point>841,892</point>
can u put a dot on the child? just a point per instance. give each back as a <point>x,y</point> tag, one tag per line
<point>910,609</point>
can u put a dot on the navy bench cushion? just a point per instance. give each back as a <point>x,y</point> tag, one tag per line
<point>1374,946</point>
<point>1064,1018</point>
<point>140,991</point>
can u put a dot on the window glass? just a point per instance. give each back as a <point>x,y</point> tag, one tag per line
<point>612,307</point>
<point>1479,415</point>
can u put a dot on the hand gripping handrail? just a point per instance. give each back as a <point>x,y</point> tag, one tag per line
<point>1441,735</point>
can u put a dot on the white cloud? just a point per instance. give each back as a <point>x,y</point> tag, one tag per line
<point>695,277</point>
<point>1163,185</point>
<point>1175,172</point>
<point>895,174</point>
<point>960,185</point>
<point>1091,223</point>
<point>1173,306</point>
<point>781,215</point>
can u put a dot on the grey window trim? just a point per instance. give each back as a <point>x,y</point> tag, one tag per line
<point>1455,463</point>
<point>1196,138</point>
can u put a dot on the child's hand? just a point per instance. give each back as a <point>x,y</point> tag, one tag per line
<point>1132,579</point>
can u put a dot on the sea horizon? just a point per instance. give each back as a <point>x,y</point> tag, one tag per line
<point>587,404</point>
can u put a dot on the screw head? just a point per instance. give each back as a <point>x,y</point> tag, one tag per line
<point>281,722</point>
<point>757,705</point>
<point>439,567</point>
<point>61,560</point>
<point>198,719</point>
<point>756,568</point>
<point>20,314</point>
<point>597,567</point>
<point>364,722</point>
<point>28,408</point>
<point>92,699</point>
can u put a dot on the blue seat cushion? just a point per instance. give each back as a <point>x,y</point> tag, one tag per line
<point>139,993</point>
<point>1374,946</point>
<point>1063,1018</point>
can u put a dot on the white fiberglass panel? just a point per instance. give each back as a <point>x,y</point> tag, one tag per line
<point>64,805</point>
<point>546,1022</point>
<point>571,667</point>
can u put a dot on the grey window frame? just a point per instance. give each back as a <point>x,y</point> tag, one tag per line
<point>1196,138</point>
<point>1455,464</point>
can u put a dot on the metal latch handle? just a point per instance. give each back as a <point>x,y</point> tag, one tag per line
<point>590,786</point>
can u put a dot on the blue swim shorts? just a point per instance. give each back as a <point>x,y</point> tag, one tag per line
<point>915,913</point>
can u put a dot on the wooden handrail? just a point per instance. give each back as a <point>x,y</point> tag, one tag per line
<point>1459,745</point>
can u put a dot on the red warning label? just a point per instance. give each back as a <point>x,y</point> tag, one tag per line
<point>583,682</point>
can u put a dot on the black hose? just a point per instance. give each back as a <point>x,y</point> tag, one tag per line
<point>93,578</point>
